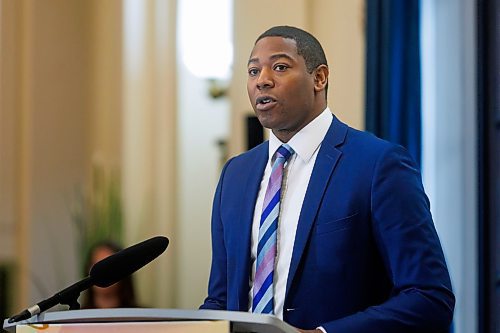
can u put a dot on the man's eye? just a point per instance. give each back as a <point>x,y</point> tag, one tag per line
<point>280,68</point>
<point>253,71</point>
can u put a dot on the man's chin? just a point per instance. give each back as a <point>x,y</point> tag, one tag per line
<point>267,122</point>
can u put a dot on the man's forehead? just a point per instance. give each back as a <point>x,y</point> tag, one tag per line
<point>273,47</point>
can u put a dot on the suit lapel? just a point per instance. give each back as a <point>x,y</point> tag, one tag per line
<point>250,190</point>
<point>326,161</point>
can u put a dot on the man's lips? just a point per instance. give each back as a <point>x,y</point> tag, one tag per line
<point>264,103</point>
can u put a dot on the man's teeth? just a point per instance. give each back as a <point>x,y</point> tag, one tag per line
<point>266,100</point>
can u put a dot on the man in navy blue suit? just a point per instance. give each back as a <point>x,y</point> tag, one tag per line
<point>357,250</point>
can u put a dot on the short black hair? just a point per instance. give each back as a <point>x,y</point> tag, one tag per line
<point>307,45</point>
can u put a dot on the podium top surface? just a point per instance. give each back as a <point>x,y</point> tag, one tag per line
<point>240,321</point>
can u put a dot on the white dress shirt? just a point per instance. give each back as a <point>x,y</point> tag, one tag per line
<point>298,169</point>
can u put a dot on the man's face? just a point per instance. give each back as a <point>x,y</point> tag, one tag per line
<point>281,90</point>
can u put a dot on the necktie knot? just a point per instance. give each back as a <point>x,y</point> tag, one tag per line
<point>284,152</point>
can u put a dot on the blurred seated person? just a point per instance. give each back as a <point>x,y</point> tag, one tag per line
<point>118,295</point>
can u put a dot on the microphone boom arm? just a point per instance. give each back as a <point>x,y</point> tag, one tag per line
<point>68,296</point>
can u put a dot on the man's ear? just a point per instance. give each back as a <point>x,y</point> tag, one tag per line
<point>320,77</point>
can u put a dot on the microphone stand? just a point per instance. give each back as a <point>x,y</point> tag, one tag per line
<point>68,296</point>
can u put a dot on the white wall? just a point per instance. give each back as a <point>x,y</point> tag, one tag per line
<point>202,122</point>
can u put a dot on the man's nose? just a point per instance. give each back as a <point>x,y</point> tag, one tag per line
<point>265,79</point>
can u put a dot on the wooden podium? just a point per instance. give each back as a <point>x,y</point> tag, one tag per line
<point>150,321</point>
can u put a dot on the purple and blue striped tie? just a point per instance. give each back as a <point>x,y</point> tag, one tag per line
<point>263,288</point>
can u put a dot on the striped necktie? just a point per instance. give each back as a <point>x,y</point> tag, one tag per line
<point>263,288</point>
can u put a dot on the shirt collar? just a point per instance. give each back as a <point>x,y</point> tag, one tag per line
<point>307,140</point>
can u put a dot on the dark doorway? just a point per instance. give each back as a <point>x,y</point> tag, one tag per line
<point>489,164</point>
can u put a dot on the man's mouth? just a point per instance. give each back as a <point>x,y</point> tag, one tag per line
<point>263,100</point>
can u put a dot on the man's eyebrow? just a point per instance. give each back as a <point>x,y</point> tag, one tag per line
<point>252,60</point>
<point>273,57</point>
<point>281,55</point>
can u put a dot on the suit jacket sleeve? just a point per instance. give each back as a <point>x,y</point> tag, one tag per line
<point>421,299</point>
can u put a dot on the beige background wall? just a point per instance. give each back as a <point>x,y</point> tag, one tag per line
<point>149,139</point>
<point>340,27</point>
<point>72,95</point>
<point>44,66</point>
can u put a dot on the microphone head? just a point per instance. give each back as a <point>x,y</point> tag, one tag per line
<point>125,262</point>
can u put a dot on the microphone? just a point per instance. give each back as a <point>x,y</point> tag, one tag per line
<point>103,274</point>
<point>121,264</point>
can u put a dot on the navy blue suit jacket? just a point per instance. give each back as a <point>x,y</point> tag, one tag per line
<point>366,256</point>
